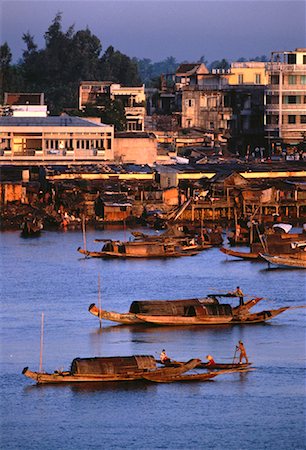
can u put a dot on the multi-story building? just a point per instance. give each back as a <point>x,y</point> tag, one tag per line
<point>204,105</point>
<point>54,139</point>
<point>132,98</point>
<point>245,94</point>
<point>285,99</point>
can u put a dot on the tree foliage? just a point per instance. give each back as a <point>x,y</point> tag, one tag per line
<point>67,58</point>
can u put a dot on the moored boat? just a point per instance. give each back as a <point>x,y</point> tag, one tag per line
<point>296,261</point>
<point>141,249</point>
<point>106,369</point>
<point>276,241</point>
<point>31,227</point>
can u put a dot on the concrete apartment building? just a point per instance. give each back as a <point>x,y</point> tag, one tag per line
<point>54,139</point>
<point>245,95</point>
<point>132,98</point>
<point>285,101</point>
<point>203,103</point>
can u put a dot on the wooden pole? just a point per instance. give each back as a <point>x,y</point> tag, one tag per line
<point>84,232</point>
<point>99,301</point>
<point>124,229</point>
<point>41,342</point>
<point>202,220</point>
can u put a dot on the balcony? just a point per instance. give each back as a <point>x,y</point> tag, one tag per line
<point>286,68</point>
<point>52,156</point>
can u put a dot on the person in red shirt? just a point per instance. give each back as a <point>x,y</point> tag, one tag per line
<point>211,360</point>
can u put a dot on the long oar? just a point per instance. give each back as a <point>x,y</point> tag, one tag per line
<point>234,356</point>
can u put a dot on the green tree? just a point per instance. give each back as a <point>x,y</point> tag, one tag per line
<point>5,61</point>
<point>119,68</point>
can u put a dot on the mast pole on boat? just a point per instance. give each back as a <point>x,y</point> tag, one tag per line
<point>99,300</point>
<point>41,342</point>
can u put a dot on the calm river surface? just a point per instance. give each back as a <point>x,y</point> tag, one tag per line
<point>264,409</point>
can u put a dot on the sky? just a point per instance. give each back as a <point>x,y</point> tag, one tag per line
<point>156,29</point>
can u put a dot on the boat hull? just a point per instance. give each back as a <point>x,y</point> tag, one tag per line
<point>104,254</point>
<point>286,261</point>
<point>242,255</point>
<point>125,318</point>
<point>183,320</point>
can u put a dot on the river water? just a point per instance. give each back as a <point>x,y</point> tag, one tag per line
<point>263,409</point>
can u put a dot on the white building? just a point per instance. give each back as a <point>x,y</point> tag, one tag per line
<point>54,139</point>
<point>285,102</point>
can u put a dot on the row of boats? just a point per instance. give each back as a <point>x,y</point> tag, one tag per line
<point>133,368</point>
<point>277,246</point>
<point>200,311</point>
<point>209,310</point>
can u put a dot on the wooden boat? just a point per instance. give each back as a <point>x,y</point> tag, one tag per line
<point>157,378</point>
<point>244,255</point>
<point>274,242</point>
<point>207,366</point>
<point>141,249</point>
<point>164,378</point>
<point>31,227</point>
<point>183,235</point>
<point>295,261</point>
<point>205,311</point>
<point>105,369</point>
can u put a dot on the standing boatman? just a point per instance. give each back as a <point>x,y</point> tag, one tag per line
<point>238,292</point>
<point>243,354</point>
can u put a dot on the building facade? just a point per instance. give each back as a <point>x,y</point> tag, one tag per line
<point>132,98</point>
<point>285,98</point>
<point>54,139</point>
<point>246,87</point>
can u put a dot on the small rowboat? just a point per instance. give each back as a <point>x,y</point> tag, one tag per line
<point>212,367</point>
<point>156,378</point>
<point>243,255</point>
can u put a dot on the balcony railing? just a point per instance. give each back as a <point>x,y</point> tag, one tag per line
<point>279,67</point>
<point>52,155</point>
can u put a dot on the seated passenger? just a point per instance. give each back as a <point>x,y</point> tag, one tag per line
<point>164,359</point>
<point>211,361</point>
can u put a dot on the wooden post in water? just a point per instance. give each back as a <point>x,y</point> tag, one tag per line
<point>41,342</point>
<point>84,231</point>
<point>99,301</point>
<point>124,229</point>
<point>202,220</point>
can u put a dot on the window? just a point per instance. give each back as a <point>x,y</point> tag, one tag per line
<point>304,59</point>
<point>303,119</point>
<point>274,79</point>
<point>292,58</point>
<point>189,103</point>
<point>257,78</point>
<point>292,79</point>
<point>291,119</point>
<point>303,79</point>
<point>240,78</point>
<point>268,120</point>
<point>290,99</point>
